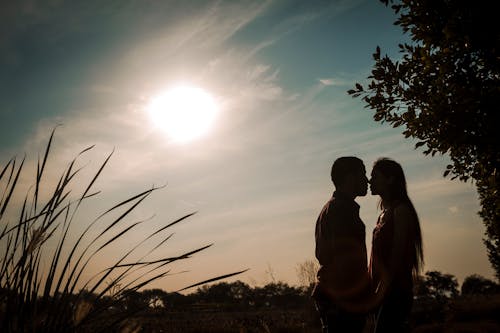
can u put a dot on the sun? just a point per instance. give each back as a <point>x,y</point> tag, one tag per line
<point>184,112</point>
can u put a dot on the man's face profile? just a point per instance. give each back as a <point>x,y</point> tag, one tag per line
<point>349,176</point>
<point>359,182</point>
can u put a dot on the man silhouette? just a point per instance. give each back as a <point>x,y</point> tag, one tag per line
<point>342,282</point>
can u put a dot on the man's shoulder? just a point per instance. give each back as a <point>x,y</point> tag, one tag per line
<point>338,204</point>
<point>330,205</point>
<point>333,208</point>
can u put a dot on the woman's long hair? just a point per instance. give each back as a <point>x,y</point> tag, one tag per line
<point>398,193</point>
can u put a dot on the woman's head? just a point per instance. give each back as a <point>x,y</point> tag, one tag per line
<point>388,180</point>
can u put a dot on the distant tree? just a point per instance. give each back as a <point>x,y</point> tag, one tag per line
<point>219,292</point>
<point>420,287</point>
<point>240,292</point>
<point>134,301</point>
<point>445,91</point>
<point>427,308</point>
<point>176,300</point>
<point>440,286</point>
<point>306,272</point>
<point>479,285</point>
<point>278,294</point>
<point>154,298</point>
<point>234,293</point>
<point>270,273</point>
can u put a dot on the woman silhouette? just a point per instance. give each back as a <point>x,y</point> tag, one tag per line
<point>397,254</point>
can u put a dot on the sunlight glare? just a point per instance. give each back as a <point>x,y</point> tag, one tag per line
<point>184,112</point>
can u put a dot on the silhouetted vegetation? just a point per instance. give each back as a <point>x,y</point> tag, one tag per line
<point>478,285</point>
<point>439,307</point>
<point>443,89</point>
<point>44,262</point>
<point>279,307</point>
<point>237,307</point>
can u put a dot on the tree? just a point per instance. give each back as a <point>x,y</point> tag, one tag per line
<point>440,286</point>
<point>477,284</point>
<point>445,91</point>
<point>420,288</point>
<point>176,300</point>
<point>154,298</point>
<point>240,292</point>
<point>306,272</point>
<point>234,293</point>
<point>134,301</point>
<point>219,292</point>
<point>278,294</point>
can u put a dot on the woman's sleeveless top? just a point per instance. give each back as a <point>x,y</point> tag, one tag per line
<point>382,248</point>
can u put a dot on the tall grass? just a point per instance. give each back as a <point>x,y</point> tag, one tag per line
<point>44,266</point>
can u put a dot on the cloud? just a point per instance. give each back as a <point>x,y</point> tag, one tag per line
<point>197,34</point>
<point>327,82</point>
<point>265,82</point>
<point>335,82</point>
<point>437,186</point>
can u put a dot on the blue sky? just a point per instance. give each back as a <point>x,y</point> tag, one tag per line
<point>278,71</point>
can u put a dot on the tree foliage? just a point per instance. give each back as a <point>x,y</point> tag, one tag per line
<point>444,91</point>
<point>239,294</point>
<point>441,286</point>
<point>479,285</point>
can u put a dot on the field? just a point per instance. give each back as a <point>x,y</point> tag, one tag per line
<point>471,314</point>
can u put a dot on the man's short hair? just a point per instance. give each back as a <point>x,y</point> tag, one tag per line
<point>344,166</point>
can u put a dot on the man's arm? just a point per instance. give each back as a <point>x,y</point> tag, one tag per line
<point>323,236</point>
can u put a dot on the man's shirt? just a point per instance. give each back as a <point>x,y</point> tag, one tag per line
<point>341,251</point>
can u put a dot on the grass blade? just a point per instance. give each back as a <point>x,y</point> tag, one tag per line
<point>213,279</point>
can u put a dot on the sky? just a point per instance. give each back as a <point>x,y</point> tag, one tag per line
<point>277,72</point>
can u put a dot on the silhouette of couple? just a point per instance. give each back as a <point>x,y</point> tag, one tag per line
<point>348,289</point>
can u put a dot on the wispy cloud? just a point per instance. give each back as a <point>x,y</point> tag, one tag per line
<point>440,187</point>
<point>194,35</point>
<point>336,82</point>
<point>327,82</point>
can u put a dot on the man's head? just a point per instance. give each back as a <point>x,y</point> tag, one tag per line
<point>349,176</point>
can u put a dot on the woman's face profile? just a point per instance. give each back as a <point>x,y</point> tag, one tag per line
<point>379,184</point>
